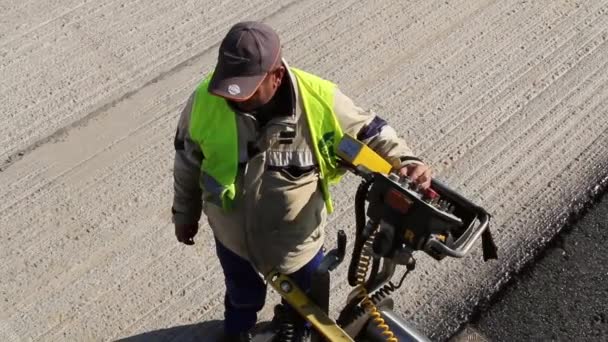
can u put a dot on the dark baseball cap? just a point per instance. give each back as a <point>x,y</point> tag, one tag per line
<point>248,52</point>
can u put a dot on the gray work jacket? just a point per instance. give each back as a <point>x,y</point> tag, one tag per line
<point>279,216</point>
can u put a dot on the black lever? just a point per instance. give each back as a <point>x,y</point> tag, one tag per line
<point>321,280</point>
<point>335,256</point>
<point>341,250</point>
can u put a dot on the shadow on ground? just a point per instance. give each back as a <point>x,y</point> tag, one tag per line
<point>210,331</point>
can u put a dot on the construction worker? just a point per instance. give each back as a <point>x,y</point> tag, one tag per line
<point>254,152</point>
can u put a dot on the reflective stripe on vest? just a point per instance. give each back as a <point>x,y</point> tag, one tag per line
<point>213,127</point>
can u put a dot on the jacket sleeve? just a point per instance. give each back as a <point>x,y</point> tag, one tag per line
<point>374,131</point>
<point>187,198</point>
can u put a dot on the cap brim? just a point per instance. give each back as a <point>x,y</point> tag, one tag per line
<point>237,88</point>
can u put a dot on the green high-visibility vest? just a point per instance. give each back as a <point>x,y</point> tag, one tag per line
<point>213,127</point>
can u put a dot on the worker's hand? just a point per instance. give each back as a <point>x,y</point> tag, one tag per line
<point>420,174</point>
<point>185,232</point>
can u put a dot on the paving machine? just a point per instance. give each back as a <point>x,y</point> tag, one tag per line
<point>394,219</point>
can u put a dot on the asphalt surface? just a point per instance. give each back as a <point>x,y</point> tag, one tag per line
<point>506,100</point>
<point>562,296</point>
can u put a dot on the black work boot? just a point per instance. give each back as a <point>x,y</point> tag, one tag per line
<point>289,327</point>
<point>242,337</point>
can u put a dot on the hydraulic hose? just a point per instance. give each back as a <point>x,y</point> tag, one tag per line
<point>366,302</point>
<point>360,197</point>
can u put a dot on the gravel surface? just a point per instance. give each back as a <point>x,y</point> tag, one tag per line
<point>563,296</point>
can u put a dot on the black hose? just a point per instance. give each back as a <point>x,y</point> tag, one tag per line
<point>360,197</point>
<point>353,311</point>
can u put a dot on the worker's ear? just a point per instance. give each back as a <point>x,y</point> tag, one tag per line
<point>279,73</point>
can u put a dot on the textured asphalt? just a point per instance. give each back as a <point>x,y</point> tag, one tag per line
<point>562,296</point>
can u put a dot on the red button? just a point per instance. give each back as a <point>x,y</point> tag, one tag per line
<point>430,194</point>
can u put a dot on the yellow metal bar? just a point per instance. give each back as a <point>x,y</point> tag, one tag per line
<point>357,153</point>
<point>307,309</point>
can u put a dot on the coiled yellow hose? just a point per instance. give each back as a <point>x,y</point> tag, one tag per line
<point>367,303</point>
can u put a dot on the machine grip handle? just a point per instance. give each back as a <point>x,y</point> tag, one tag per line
<point>464,244</point>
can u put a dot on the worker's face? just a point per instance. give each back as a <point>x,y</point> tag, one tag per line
<point>265,91</point>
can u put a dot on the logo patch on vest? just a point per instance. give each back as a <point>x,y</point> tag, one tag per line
<point>234,89</point>
<point>326,145</point>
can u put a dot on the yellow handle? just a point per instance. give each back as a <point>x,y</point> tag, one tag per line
<point>306,308</point>
<point>357,153</point>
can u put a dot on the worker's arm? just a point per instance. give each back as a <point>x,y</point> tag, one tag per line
<point>382,138</point>
<point>374,131</point>
<point>187,199</point>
